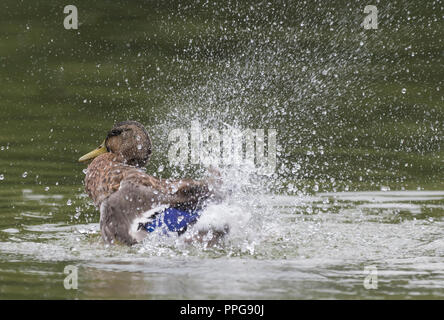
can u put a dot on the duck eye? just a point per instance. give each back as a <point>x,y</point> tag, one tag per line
<point>114,132</point>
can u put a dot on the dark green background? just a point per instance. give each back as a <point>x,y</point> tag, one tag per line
<point>310,71</point>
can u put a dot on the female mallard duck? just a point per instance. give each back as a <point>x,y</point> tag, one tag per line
<point>132,203</point>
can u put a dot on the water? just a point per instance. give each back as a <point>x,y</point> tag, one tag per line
<point>293,253</point>
<point>359,119</point>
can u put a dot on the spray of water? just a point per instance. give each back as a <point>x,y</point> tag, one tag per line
<point>316,80</point>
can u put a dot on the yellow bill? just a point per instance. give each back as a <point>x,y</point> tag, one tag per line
<point>96,152</point>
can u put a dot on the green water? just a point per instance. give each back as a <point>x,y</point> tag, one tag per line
<point>355,110</point>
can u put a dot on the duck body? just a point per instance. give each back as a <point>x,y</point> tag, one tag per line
<point>107,171</point>
<point>132,203</point>
<point>126,196</point>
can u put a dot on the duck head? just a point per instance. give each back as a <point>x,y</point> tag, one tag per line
<point>129,139</point>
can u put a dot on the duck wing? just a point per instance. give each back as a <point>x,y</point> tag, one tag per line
<point>139,198</point>
<point>122,213</point>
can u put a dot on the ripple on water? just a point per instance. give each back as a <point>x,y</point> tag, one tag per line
<point>273,240</point>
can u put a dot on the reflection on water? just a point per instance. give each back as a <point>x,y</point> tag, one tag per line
<point>294,247</point>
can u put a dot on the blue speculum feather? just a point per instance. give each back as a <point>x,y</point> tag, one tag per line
<point>172,220</point>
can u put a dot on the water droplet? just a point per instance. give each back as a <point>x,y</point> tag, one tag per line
<point>296,168</point>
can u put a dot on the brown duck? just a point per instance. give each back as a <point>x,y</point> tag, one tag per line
<point>127,196</point>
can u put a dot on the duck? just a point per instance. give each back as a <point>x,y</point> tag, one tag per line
<point>131,202</point>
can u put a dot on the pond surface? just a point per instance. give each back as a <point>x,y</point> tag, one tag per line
<point>359,116</point>
<point>299,248</point>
